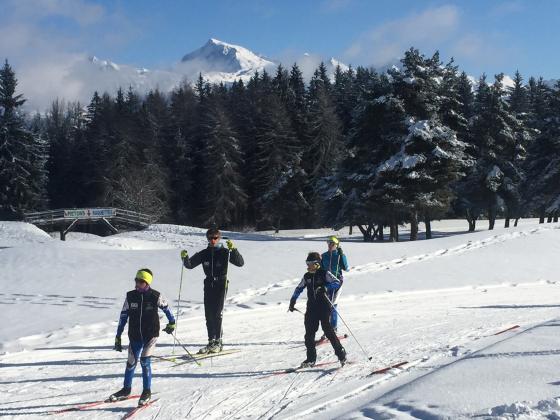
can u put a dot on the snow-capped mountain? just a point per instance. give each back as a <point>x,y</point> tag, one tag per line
<point>221,61</point>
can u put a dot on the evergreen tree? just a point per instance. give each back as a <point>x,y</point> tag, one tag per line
<point>541,190</point>
<point>22,154</point>
<point>223,200</point>
<point>279,178</point>
<point>494,183</point>
<point>296,101</point>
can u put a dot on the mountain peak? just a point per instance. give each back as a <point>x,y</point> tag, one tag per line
<point>221,57</point>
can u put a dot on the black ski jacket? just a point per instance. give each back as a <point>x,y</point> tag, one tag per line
<point>141,311</point>
<point>214,261</point>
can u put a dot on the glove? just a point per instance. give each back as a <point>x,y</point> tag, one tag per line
<point>118,345</point>
<point>340,251</point>
<point>184,254</point>
<point>292,305</point>
<point>169,328</point>
<point>230,245</point>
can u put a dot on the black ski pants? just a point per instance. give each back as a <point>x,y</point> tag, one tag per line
<point>214,297</point>
<point>319,311</point>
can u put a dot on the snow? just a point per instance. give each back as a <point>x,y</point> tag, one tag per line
<point>436,304</point>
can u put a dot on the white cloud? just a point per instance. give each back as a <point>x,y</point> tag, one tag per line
<point>46,56</point>
<point>445,29</point>
<point>427,29</point>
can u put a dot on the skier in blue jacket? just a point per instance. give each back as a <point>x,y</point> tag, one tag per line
<point>334,261</point>
<point>141,310</point>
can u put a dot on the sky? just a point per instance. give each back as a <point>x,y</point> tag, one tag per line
<point>41,37</point>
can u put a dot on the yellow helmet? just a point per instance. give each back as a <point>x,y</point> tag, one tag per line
<point>145,274</point>
<point>333,239</point>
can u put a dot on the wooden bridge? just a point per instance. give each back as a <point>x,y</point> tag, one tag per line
<point>65,220</point>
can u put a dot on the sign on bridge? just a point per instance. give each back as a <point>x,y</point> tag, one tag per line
<point>89,213</point>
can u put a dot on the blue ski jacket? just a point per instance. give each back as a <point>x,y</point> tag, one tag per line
<point>334,263</point>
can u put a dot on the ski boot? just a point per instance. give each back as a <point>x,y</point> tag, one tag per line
<point>145,397</point>
<point>123,394</point>
<point>307,364</point>
<point>206,348</point>
<point>216,346</point>
<point>342,357</point>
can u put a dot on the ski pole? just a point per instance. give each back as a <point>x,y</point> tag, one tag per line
<point>178,304</point>
<point>187,350</point>
<point>349,330</point>
<point>225,292</point>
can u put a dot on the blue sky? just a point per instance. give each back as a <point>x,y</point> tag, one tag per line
<point>39,36</point>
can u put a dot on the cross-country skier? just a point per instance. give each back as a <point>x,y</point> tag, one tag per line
<point>214,260</point>
<point>141,310</point>
<point>334,261</point>
<point>318,282</point>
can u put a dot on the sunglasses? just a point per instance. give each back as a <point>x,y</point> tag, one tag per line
<point>310,263</point>
<point>139,280</point>
<point>213,238</point>
<point>331,243</point>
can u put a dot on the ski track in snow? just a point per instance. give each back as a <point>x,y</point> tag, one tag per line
<point>247,295</point>
<point>427,328</point>
<point>227,387</point>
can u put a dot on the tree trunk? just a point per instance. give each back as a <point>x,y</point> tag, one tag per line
<point>541,215</point>
<point>393,233</point>
<point>350,230</point>
<point>556,217</point>
<point>366,232</point>
<point>414,226</point>
<point>380,233</point>
<point>491,218</point>
<point>516,220</point>
<point>471,220</point>
<point>396,232</point>
<point>506,224</point>
<point>549,219</point>
<point>428,224</point>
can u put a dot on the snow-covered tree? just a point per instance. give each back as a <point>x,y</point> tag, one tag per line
<point>22,154</point>
<point>220,190</point>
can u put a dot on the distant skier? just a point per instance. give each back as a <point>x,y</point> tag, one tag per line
<point>318,282</point>
<point>214,260</point>
<point>141,308</point>
<point>334,261</point>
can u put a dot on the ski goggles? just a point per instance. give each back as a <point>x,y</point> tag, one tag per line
<point>213,238</point>
<point>314,262</point>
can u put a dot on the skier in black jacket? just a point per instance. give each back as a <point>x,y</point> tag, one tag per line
<point>141,310</point>
<point>318,282</point>
<point>214,260</point>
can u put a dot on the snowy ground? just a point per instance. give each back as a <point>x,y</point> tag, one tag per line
<point>434,304</point>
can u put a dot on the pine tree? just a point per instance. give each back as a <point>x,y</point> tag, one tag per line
<point>279,179</point>
<point>541,191</point>
<point>431,158</point>
<point>362,193</point>
<point>223,199</point>
<point>296,101</point>
<point>494,183</point>
<point>22,154</point>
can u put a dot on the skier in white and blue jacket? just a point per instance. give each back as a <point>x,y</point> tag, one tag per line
<point>318,282</point>
<point>140,309</point>
<point>334,261</point>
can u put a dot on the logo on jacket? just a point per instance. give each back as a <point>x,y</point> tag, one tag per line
<point>134,305</point>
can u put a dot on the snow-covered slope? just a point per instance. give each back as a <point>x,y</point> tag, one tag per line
<point>434,304</point>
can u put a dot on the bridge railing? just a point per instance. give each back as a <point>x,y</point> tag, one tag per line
<point>94,213</point>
